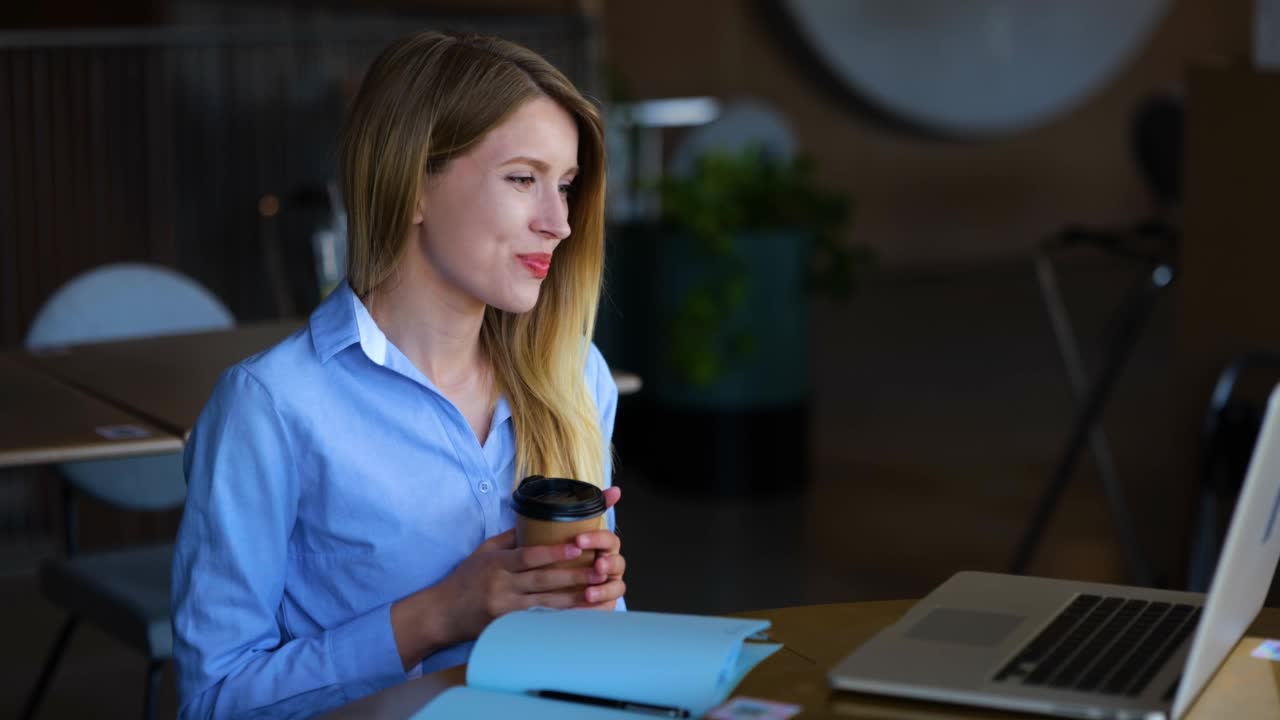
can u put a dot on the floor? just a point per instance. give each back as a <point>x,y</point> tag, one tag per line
<point>940,407</point>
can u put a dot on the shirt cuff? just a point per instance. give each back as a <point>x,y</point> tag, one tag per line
<point>365,646</point>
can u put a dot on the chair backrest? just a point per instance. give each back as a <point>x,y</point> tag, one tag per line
<point>125,300</point>
<point>114,302</point>
<point>1230,432</point>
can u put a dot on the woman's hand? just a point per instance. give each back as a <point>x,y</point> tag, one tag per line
<point>498,578</point>
<point>609,564</point>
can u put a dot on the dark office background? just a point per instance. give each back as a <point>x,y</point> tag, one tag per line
<point>198,135</point>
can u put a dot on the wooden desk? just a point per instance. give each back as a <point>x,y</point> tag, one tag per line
<point>165,379</point>
<point>44,421</point>
<point>168,379</point>
<point>819,636</point>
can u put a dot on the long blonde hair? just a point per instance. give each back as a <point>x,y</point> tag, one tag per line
<point>425,100</point>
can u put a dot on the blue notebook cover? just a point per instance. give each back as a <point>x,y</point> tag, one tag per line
<point>685,662</point>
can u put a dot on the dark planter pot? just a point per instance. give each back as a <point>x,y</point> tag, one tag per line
<point>746,432</point>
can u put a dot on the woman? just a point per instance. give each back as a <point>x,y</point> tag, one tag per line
<point>348,520</point>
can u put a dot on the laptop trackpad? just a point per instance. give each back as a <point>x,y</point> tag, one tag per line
<point>965,627</point>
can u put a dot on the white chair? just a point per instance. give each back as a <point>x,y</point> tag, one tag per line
<point>123,592</point>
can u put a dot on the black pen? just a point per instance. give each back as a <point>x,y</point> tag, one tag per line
<point>659,710</point>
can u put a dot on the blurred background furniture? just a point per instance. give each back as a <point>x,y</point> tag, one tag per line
<point>43,420</point>
<point>167,378</point>
<point>1228,332</point>
<point>1150,246</point>
<point>123,592</point>
<point>1231,428</point>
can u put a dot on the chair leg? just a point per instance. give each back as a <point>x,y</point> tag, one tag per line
<point>1131,320</point>
<point>154,669</point>
<point>50,666</point>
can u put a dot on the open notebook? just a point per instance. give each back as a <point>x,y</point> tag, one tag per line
<point>587,665</point>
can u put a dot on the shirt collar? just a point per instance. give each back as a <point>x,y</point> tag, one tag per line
<point>335,325</point>
<point>341,321</point>
<point>372,339</point>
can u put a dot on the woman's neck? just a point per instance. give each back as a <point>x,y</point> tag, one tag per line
<point>439,334</point>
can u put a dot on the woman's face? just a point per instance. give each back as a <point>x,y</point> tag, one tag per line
<point>489,223</point>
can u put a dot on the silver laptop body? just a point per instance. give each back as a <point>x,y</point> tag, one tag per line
<point>997,641</point>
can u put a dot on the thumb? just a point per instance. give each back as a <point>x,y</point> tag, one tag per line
<point>611,496</point>
<point>501,541</point>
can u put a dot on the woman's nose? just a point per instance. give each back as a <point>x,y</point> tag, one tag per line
<point>552,218</point>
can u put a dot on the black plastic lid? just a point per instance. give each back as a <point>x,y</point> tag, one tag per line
<point>557,499</point>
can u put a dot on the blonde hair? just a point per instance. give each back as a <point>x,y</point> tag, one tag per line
<point>425,100</point>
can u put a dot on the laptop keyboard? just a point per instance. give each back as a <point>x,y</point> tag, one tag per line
<point>1103,644</point>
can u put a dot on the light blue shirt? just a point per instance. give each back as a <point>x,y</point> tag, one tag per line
<point>327,478</point>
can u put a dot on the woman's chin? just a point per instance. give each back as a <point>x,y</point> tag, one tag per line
<point>518,305</point>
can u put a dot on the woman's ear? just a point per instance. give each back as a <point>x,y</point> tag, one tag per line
<point>420,207</point>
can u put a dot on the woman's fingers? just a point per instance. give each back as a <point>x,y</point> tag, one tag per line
<point>611,565</point>
<point>557,600</point>
<point>605,592</point>
<point>537,581</point>
<point>601,540</point>
<point>536,556</point>
<point>611,496</point>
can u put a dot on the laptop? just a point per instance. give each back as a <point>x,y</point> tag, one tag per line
<point>1078,649</point>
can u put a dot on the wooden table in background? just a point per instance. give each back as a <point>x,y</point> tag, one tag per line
<point>817,637</point>
<point>167,379</point>
<point>46,421</point>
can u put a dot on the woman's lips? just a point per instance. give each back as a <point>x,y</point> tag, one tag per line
<point>537,263</point>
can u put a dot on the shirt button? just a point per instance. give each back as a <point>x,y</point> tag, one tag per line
<point>485,486</point>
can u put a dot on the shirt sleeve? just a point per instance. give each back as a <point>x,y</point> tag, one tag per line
<point>230,564</point>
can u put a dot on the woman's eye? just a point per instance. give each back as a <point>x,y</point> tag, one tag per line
<point>566,188</point>
<point>522,180</point>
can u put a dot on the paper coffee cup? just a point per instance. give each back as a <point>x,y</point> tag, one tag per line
<point>552,511</point>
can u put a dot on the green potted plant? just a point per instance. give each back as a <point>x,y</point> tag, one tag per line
<point>715,302</point>
<point>748,240</point>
